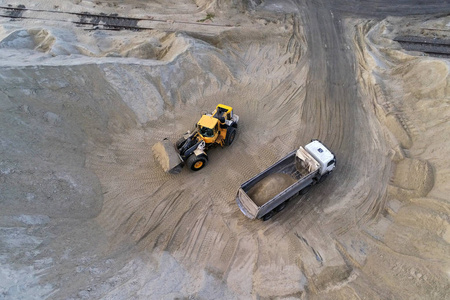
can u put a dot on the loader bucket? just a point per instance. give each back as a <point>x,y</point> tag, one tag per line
<point>169,159</point>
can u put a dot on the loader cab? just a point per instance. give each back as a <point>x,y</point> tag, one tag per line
<point>208,128</point>
<point>206,132</point>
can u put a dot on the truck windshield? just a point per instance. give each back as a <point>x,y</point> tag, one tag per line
<point>206,132</point>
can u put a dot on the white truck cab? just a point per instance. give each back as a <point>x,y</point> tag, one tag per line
<point>324,157</point>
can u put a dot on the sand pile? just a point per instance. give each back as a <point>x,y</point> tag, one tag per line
<point>414,87</point>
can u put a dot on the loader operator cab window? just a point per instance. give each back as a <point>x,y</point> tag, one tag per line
<point>206,132</point>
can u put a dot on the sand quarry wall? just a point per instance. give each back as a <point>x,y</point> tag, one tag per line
<point>407,91</point>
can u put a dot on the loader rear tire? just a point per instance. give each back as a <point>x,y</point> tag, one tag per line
<point>196,163</point>
<point>231,134</point>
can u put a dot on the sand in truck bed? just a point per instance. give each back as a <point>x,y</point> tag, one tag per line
<point>269,187</point>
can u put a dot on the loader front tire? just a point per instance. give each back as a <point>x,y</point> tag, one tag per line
<point>196,163</point>
<point>180,142</point>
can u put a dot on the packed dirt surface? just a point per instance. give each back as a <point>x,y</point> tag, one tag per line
<point>87,213</point>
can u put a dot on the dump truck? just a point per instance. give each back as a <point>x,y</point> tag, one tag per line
<point>268,192</point>
<point>216,129</point>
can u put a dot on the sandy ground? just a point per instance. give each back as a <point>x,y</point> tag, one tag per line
<point>86,212</point>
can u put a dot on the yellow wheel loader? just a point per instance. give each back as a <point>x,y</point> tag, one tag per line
<point>217,128</point>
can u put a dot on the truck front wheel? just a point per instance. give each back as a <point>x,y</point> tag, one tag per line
<point>324,177</point>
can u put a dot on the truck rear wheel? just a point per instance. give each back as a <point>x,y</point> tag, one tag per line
<point>280,207</point>
<point>305,190</point>
<point>268,216</point>
<point>196,163</point>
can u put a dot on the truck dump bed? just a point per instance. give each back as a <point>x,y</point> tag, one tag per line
<point>277,183</point>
